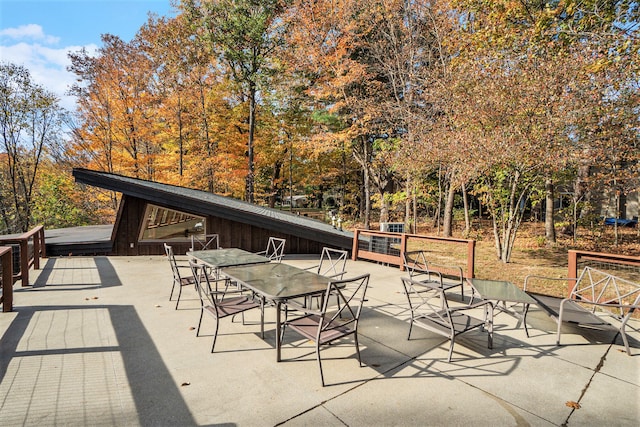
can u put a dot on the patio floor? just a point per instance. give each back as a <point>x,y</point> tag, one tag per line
<point>95,341</point>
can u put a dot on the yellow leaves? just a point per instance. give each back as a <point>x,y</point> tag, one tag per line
<point>598,65</point>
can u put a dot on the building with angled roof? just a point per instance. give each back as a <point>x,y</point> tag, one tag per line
<point>151,213</point>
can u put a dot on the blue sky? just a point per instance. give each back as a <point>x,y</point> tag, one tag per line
<point>38,34</point>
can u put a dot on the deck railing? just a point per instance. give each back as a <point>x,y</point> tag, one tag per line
<point>6,278</point>
<point>31,248</point>
<point>387,247</point>
<point>623,265</point>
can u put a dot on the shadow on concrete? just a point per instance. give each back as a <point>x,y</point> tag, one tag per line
<point>106,273</point>
<point>157,398</point>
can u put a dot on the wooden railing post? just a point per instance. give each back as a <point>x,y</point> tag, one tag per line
<point>27,259</point>
<point>573,269</point>
<point>471,259</point>
<point>24,262</point>
<point>354,250</point>
<point>6,258</point>
<point>403,249</point>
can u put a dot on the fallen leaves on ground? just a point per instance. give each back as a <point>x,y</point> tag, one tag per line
<point>572,404</point>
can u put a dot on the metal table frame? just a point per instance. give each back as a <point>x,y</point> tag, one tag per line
<point>500,290</point>
<point>278,283</point>
<point>229,257</point>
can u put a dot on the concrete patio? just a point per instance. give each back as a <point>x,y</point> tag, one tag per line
<point>95,341</point>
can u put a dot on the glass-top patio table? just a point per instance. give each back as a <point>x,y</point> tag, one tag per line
<point>219,258</point>
<point>278,283</point>
<point>500,290</point>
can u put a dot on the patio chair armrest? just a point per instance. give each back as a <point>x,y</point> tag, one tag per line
<point>417,274</point>
<point>313,267</point>
<point>450,267</point>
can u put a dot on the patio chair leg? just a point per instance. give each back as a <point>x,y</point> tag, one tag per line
<point>199,323</point>
<point>453,339</point>
<point>215,335</point>
<point>624,339</point>
<point>262,318</point>
<point>355,338</point>
<point>525,310</point>
<point>179,294</point>
<point>319,363</point>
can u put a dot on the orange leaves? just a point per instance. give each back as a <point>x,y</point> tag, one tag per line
<point>572,404</point>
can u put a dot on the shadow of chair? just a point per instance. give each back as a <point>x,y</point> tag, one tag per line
<point>179,279</point>
<point>219,300</point>
<point>416,264</point>
<point>332,323</point>
<point>275,249</point>
<point>430,310</point>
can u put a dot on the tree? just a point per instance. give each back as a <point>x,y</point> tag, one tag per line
<point>518,89</point>
<point>30,121</point>
<point>243,35</point>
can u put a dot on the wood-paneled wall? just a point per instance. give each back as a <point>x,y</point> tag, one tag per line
<point>232,234</point>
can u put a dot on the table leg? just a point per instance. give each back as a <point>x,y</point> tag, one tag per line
<point>278,331</point>
<point>525,310</point>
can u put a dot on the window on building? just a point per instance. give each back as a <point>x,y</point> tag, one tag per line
<point>170,225</point>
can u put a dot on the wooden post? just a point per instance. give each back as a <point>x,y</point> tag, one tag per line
<point>354,250</point>
<point>573,269</point>
<point>471,259</point>
<point>403,249</point>
<point>24,262</point>
<point>6,257</point>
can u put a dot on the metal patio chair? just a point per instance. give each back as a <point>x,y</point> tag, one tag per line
<point>333,263</point>
<point>416,264</point>
<point>275,249</point>
<point>181,273</point>
<point>208,241</point>
<point>219,300</point>
<point>430,310</point>
<point>598,301</point>
<point>332,323</point>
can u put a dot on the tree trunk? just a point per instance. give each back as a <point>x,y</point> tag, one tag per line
<point>448,212</point>
<point>436,220</point>
<point>367,198</point>
<point>549,226</point>
<point>407,206</point>
<point>249,190</point>
<point>384,206</point>
<point>273,191</point>
<point>467,220</point>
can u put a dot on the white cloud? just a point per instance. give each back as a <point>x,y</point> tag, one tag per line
<point>29,32</point>
<point>47,66</point>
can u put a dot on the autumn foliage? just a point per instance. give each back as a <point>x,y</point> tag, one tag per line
<point>404,111</point>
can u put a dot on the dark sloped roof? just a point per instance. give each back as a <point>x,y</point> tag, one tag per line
<point>205,203</point>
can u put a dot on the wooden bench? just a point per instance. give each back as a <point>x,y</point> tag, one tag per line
<point>598,300</point>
